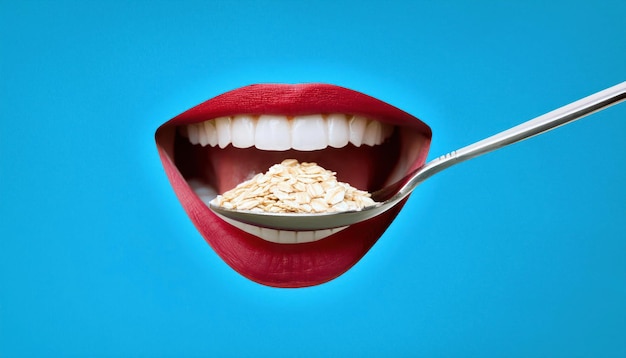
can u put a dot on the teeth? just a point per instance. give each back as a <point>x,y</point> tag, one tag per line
<point>272,133</point>
<point>202,137</point>
<point>206,194</point>
<point>203,191</point>
<point>192,132</point>
<point>338,130</point>
<point>243,131</point>
<point>373,133</point>
<point>283,236</point>
<point>210,133</point>
<point>275,132</point>
<point>358,125</point>
<point>223,131</point>
<point>311,131</point>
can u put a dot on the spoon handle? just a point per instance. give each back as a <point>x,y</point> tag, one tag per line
<point>533,127</point>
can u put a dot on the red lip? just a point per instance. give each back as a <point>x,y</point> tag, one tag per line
<point>287,265</point>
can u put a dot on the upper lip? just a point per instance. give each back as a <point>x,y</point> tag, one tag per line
<point>302,264</point>
<point>293,100</point>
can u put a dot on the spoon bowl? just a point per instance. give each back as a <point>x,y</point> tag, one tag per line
<point>391,195</point>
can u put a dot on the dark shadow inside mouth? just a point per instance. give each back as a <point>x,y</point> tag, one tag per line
<point>363,167</point>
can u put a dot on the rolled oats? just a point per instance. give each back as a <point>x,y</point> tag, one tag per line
<point>292,187</point>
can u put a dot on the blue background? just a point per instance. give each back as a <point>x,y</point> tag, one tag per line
<point>518,253</point>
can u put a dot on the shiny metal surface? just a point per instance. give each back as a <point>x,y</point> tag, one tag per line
<point>391,195</point>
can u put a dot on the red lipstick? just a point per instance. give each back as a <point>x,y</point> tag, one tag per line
<point>298,264</point>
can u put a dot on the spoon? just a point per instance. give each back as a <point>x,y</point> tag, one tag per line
<point>391,195</point>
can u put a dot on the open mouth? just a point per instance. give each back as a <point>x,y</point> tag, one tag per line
<point>226,140</point>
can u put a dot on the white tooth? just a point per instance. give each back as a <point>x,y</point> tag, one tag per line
<point>206,198</point>
<point>309,132</point>
<point>222,125</point>
<point>272,133</point>
<point>373,134</point>
<point>286,237</point>
<point>243,131</point>
<point>305,236</point>
<point>192,130</point>
<point>203,137</point>
<point>205,192</point>
<point>338,130</point>
<point>211,132</point>
<point>251,229</point>
<point>268,234</point>
<point>195,184</point>
<point>320,234</point>
<point>337,229</point>
<point>357,130</point>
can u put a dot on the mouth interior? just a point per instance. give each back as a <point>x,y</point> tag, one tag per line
<point>211,169</point>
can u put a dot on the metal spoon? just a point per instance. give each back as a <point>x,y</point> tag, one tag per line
<point>391,195</point>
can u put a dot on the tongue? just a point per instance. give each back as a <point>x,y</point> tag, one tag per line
<point>365,167</point>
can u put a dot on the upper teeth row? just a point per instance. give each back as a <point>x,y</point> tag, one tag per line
<point>276,132</point>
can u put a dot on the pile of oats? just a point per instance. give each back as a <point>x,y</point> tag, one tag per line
<point>292,187</point>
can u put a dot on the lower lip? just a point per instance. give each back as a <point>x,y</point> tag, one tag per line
<point>287,265</point>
